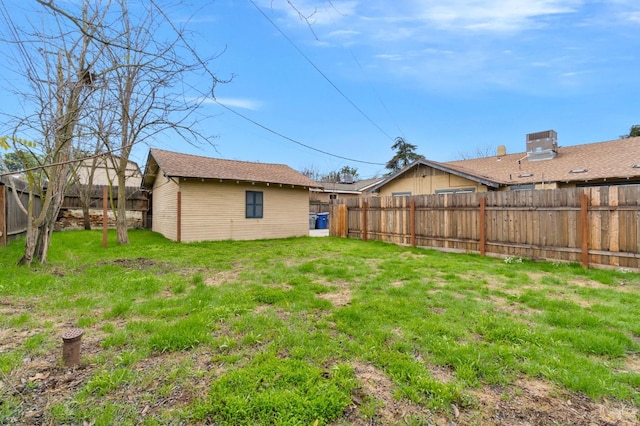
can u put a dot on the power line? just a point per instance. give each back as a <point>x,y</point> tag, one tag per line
<point>291,139</point>
<point>376,92</point>
<point>206,68</point>
<point>320,71</point>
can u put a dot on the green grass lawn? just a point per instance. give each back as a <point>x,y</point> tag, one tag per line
<point>312,331</point>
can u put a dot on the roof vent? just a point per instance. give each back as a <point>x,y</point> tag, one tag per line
<point>542,145</point>
<point>636,166</point>
<point>578,171</point>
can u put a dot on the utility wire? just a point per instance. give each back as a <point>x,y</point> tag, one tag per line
<point>320,71</point>
<point>291,139</point>
<point>376,92</point>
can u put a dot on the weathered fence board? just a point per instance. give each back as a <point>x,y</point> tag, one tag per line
<point>13,220</point>
<point>592,225</point>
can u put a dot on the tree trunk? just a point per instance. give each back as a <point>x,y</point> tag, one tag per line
<point>39,229</point>
<point>86,217</point>
<point>121,214</point>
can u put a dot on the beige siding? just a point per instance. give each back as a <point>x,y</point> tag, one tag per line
<point>424,180</point>
<point>216,211</point>
<point>165,203</point>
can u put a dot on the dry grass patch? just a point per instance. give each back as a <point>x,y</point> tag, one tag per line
<point>534,402</point>
<point>376,387</point>
<point>221,277</point>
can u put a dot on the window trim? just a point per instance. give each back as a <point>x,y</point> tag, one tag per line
<point>254,208</point>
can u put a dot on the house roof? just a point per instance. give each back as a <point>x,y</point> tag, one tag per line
<point>177,165</point>
<point>349,188</point>
<point>445,167</point>
<point>595,161</point>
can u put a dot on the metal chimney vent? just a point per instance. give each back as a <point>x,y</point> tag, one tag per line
<point>542,145</point>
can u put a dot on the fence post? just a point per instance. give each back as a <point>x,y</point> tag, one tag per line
<point>343,214</point>
<point>584,217</point>
<point>3,216</point>
<point>105,217</point>
<point>483,225</point>
<point>365,237</point>
<point>614,226</point>
<point>413,222</point>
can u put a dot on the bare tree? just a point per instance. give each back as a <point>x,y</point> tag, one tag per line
<point>478,152</point>
<point>54,60</point>
<point>102,62</point>
<point>142,70</point>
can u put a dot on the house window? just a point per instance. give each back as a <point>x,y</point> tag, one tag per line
<point>522,187</point>
<point>400,194</point>
<point>254,204</point>
<point>333,196</point>
<point>455,191</point>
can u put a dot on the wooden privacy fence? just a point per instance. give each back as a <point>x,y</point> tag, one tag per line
<point>137,199</point>
<point>13,220</point>
<point>595,225</point>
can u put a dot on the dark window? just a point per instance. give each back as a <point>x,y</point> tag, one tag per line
<point>254,204</point>
<point>333,196</point>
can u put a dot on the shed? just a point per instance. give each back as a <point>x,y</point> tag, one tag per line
<point>196,198</point>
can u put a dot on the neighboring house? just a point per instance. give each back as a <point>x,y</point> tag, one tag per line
<point>104,172</point>
<point>198,198</point>
<point>544,165</point>
<point>339,190</point>
<point>83,202</point>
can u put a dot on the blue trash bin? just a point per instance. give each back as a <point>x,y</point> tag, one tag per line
<point>322,221</point>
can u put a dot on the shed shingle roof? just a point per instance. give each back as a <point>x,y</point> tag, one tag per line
<point>175,164</point>
<point>603,160</point>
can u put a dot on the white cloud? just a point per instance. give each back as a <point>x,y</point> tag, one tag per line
<point>495,15</point>
<point>249,104</point>
<point>634,17</point>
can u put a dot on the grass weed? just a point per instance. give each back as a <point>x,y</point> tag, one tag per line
<point>271,332</point>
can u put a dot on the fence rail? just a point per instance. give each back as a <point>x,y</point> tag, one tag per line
<point>594,226</point>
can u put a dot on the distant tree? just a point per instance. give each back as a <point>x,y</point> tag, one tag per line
<point>405,155</point>
<point>351,171</point>
<point>633,132</point>
<point>342,175</point>
<point>312,173</point>
<point>332,177</point>
<point>21,160</point>
<point>478,152</point>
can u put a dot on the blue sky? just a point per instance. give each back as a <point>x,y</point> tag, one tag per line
<point>450,76</point>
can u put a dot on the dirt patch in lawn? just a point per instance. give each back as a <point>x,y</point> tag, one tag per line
<point>632,364</point>
<point>378,390</point>
<point>533,402</point>
<point>622,286</point>
<point>221,277</point>
<point>140,263</point>
<point>339,298</point>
